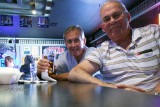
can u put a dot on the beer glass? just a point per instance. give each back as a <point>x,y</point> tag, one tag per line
<point>51,57</point>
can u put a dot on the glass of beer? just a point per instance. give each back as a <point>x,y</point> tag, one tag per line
<point>51,58</point>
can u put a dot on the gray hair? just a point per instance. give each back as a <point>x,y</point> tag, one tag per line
<point>72,28</point>
<point>120,3</point>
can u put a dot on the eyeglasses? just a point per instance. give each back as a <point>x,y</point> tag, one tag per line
<point>115,16</point>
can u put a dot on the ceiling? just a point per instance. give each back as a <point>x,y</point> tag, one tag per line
<point>63,13</point>
<point>25,7</point>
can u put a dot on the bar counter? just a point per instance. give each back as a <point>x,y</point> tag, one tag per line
<point>69,94</point>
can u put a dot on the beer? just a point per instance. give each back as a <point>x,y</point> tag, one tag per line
<point>51,68</point>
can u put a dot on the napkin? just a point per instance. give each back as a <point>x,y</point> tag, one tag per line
<point>9,75</point>
<point>44,75</point>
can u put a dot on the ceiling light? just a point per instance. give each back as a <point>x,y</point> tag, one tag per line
<point>34,12</point>
<point>48,8</point>
<point>49,0</point>
<point>46,15</point>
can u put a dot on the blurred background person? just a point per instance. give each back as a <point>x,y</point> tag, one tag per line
<point>9,62</point>
<point>28,68</point>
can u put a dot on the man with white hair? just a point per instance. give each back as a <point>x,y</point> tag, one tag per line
<point>130,60</point>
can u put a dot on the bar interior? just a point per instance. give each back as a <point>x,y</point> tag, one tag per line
<point>35,28</point>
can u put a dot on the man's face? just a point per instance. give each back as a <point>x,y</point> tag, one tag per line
<point>9,63</point>
<point>74,43</point>
<point>115,21</point>
<point>6,62</point>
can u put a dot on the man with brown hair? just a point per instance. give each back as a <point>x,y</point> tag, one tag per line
<point>75,41</point>
<point>9,61</point>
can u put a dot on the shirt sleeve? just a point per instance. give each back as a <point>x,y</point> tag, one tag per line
<point>89,51</point>
<point>61,64</point>
<point>95,56</point>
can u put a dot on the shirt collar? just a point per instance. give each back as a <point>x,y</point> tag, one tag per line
<point>136,34</point>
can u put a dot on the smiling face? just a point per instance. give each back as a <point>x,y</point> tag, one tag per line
<point>115,21</point>
<point>74,43</point>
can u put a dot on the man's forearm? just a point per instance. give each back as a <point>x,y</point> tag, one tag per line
<point>157,88</point>
<point>78,75</point>
<point>62,77</point>
<point>155,91</point>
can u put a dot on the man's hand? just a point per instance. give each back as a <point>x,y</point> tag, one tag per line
<point>131,88</point>
<point>42,66</point>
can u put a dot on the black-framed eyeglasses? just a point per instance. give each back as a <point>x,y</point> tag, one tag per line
<point>115,16</point>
